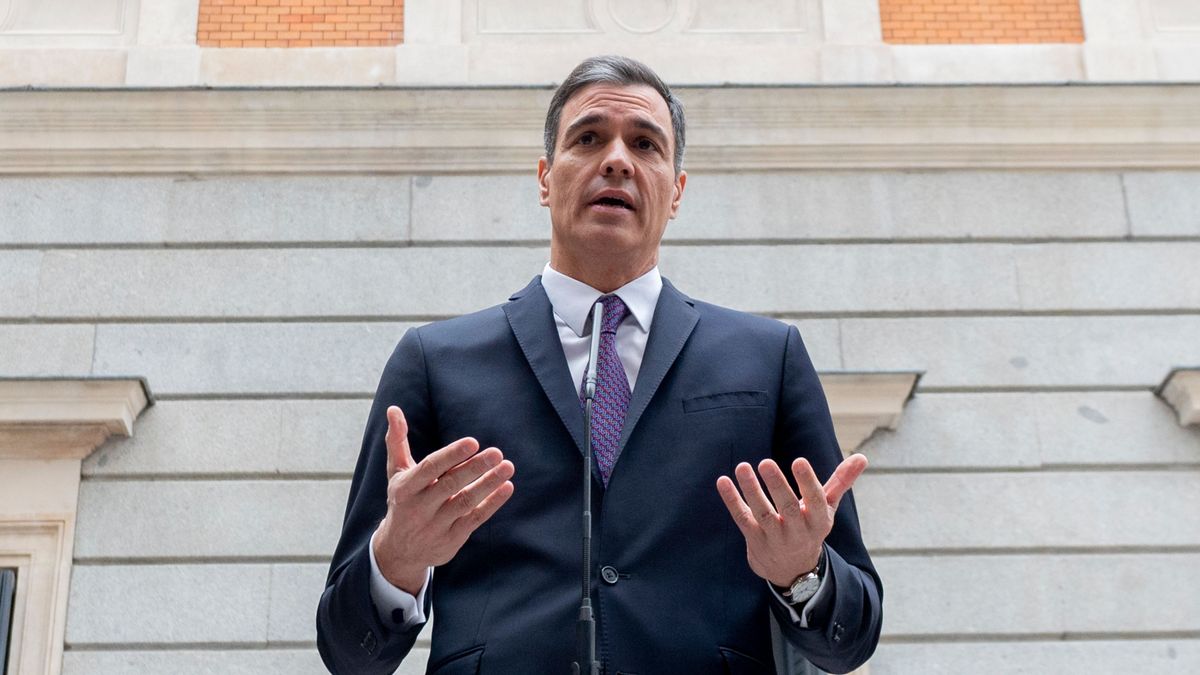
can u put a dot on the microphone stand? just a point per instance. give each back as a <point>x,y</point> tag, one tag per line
<point>585,628</point>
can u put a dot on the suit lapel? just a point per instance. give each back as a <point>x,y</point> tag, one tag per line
<point>674,319</point>
<point>532,320</point>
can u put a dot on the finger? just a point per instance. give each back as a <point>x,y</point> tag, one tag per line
<point>756,499</point>
<point>806,480</point>
<point>786,501</point>
<point>843,478</point>
<point>399,455</point>
<point>479,515</point>
<point>462,475</point>
<point>743,517</point>
<point>440,461</point>
<point>474,494</point>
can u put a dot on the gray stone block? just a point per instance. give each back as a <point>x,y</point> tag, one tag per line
<point>216,661</point>
<point>1041,509</point>
<point>1109,276</point>
<point>1163,203</point>
<point>237,437</point>
<point>19,272</point>
<point>828,278</point>
<point>257,283</point>
<point>1024,351</point>
<point>1164,656</point>
<point>31,350</point>
<point>250,358</point>
<point>822,340</point>
<point>1023,595</point>
<point>801,205</point>
<point>478,208</point>
<point>900,205</point>
<point>441,281</point>
<point>295,591</point>
<point>1023,430</point>
<point>171,604</point>
<point>173,519</point>
<point>195,209</point>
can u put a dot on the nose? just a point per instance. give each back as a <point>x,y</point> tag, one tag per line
<point>616,160</point>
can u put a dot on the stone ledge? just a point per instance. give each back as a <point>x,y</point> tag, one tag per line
<point>863,403</point>
<point>47,418</point>
<point>488,130</point>
<point>1181,390</point>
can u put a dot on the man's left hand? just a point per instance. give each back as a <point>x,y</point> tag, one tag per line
<point>784,533</point>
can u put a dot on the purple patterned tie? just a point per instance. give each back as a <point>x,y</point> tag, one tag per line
<point>612,390</point>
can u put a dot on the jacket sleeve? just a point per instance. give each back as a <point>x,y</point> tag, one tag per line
<point>350,636</point>
<point>844,631</point>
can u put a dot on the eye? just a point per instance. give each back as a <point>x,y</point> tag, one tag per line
<point>646,144</point>
<point>586,138</point>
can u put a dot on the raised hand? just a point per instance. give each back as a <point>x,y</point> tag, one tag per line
<point>784,534</point>
<point>435,504</point>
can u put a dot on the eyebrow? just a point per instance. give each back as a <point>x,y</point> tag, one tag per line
<point>600,118</point>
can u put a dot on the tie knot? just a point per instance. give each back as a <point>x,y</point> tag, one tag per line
<point>614,312</point>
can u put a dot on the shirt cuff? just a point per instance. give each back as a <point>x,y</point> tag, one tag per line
<point>397,608</point>
<point>803,616</point>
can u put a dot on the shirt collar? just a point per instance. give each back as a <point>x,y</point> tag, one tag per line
<point>572,299</point>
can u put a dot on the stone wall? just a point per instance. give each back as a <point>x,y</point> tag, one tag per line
<point>1036,508</point>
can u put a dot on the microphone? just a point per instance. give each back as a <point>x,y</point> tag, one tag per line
<point>585,627</point>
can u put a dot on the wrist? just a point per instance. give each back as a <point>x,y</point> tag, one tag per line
<point>811,564</point>
<point>409,578</point>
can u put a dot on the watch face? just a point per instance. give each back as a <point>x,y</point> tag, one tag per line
<point>805,587</point>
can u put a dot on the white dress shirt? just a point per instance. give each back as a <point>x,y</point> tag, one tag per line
<point>572,302</point>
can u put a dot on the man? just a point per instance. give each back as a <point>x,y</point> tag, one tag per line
<point>688,565</point>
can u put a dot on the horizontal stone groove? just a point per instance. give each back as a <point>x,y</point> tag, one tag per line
<point>257,476</point>
<point>207,560</point>
<point>890,471</point>
<point>885,552</point>
<point>540,243</point>
<point>200,646</point>
<point>369,395</point>
<point>876,552</point>
<point>425,318</point>
<point>1030,637</point>
<point>300,396</point>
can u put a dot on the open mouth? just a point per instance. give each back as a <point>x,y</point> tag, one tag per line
<point>613,202</point>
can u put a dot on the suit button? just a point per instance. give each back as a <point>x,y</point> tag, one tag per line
<point>838,631</point>
<point>609,574</point>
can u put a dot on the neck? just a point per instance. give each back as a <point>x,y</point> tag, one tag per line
<point>605,276</point>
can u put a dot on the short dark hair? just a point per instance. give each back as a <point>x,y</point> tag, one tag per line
<point>618,70</point>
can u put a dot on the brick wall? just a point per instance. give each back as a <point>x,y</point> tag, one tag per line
<point>980,21</point>
<point>300,23</point>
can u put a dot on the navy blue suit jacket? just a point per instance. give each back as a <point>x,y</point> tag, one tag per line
<point>716,387</point>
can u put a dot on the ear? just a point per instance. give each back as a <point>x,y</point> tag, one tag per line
<point>680,181</point>
<point>543,175</point>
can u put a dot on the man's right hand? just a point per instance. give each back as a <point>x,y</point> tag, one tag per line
<point>434,505</point>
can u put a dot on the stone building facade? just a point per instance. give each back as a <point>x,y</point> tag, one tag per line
<point>211,250</point>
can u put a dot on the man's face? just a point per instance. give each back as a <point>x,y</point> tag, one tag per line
<point>612,186</point>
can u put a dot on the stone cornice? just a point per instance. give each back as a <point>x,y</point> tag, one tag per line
<point>475,130</point>
<point>862,403</point>
<point>66,418</point>
<point>1181,390</point>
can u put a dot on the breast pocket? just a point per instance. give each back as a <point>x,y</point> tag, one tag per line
<point>729,399</point>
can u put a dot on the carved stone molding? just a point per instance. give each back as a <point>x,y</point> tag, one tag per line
<point>862,403</point>
<point>65,418</point>
<point>499,130</point>
<point>1181,390</point>
<point>47,426</point>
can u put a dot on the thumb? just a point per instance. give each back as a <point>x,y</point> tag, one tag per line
<point>399,455</point>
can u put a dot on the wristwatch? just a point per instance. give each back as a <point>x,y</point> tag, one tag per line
<point>805,586</point>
